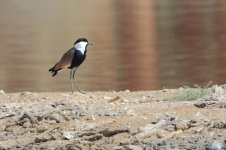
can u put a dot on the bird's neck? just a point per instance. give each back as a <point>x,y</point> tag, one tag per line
<point>81,47</point>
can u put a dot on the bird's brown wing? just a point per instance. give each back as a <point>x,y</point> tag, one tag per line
<point>65,60</point>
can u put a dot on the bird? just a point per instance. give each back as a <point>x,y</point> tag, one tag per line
<point>72,59</point>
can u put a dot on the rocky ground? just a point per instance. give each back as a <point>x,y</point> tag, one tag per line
<point>113,120</point>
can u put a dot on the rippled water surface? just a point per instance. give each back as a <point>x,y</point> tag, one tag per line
<point>138,45</point>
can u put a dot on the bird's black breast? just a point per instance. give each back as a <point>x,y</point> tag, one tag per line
<point>78,58</point>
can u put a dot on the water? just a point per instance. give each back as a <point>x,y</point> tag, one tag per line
<point>138,45</point>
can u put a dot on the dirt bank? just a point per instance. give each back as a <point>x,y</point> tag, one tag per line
<point>112,120</point>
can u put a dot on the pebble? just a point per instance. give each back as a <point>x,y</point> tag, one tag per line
<point>2,92</point>
<point>46,97</point>
<point>181,126</point>
<point>57,117</point>
<point>92,96</point>
<point>134,147</point>
<point>148,128</point>
<point>25,93</point>
<point>131,113</point>
<point>92,137</point>
<point>27,125</point>
<point>216,146</point>
<point>118,99</point>
<point>170,128</point>
<point>161,123</point>
<point>144,98</point>
<point>127,90</point>
<point>147,131</point>
<point>118,148</point>
<point>199,129</point>
<point>68,135</point>
<point>110,132</point>
<point>107,97</point>
<point>219,125</point>
<point>43,137</point>
<point>194,123</point>
<point>133,131</point>
<point>93,117</point>
<point>162,133</point>
<point>218,90</point>
<point>65,94</point>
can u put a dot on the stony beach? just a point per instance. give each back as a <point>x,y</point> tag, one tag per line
<point>113,120</point>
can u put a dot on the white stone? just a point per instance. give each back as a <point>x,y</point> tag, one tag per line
<point>2,92</point>
<point>107,97</point>
<point>131,112</point>
<point>68,135</point>
<point>216,146</point>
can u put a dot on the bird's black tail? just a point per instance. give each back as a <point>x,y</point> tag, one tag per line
<point>54,72</point>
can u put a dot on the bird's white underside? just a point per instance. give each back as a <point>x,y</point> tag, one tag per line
<point>81,46</point>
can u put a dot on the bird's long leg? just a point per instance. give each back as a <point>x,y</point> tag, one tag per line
<point>71,79</point>
<point>76,82</point>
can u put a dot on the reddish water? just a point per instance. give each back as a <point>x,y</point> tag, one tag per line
<point>139,45</point>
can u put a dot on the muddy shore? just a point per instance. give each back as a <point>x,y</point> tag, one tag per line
<point>112,120</point>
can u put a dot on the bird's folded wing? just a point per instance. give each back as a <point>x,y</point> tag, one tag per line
<point>66,60</point>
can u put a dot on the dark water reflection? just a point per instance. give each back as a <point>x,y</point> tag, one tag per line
<point>139,45</point>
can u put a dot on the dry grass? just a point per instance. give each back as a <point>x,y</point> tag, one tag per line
<point>189,94</point>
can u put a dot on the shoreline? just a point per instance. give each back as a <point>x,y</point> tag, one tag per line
<point>112,120</point>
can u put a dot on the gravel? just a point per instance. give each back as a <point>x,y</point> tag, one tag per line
<point>111,120</point>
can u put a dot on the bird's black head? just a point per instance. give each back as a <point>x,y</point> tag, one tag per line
<point>81,40</point>
<point>81,44</point>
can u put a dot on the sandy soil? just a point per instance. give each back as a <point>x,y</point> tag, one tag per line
<point>112,120</point>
